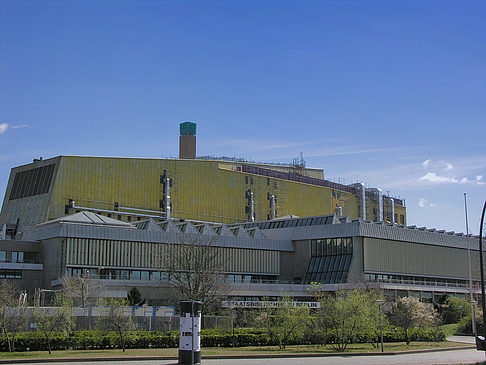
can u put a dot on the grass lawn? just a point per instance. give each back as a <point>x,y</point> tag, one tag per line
<point>389,347</point>
<point>449,329</point>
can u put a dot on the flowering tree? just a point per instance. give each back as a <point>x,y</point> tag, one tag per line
<point>409,312</point>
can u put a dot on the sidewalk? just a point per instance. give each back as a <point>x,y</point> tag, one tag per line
<point>228,356</point>
<point>462,339</point>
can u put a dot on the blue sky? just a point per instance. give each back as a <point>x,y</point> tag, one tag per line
<point>390,93</point>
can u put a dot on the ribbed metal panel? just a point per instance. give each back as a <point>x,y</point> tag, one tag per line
<point>385,256</point>
<point>135,235</point>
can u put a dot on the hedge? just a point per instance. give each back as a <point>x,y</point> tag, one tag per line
<point>92,340</point>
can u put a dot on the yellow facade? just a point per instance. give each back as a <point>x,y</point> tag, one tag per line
<point>203,190</point>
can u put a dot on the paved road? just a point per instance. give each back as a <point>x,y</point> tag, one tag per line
<point>443,357</point>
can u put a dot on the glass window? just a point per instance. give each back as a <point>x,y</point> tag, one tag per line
<point>29,257</point>
<point>327,260</point>
<point>340,265</point>
<point>115,274</point>
<point>339,246</point>
<point>311,264</point>
<point>135,275</point>
<point>337,263</point>
<point>333,278</point>
<point>3,256</point>
<point>347,262</point>
<point>329,246</point>
<point>319,247</point>
<point>344,277</point>
<point>230,278</point>
<point>144,275</point>
<point>332,263</point>
<point>339,276</point>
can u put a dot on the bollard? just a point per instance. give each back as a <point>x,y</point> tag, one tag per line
<point>190,333</point>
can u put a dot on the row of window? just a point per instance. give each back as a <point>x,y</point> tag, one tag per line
<point>145,275</point>
<point>331,246</point>
<point>32,182</point>
<point>18,257</point>
<point>10,274</point>
<point>418,280</point>
<point>251,279</point>
<point>328,269</point>
<point>299,222</point>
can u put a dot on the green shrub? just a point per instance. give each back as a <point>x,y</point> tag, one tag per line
<point>95,340</point>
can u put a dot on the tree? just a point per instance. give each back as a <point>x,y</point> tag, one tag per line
<point>118,318</point>
<point>409,312</point>
<point>84,291</point>
<point>12,312</point>
<point>54,319</point>
<point>452,308</point>
<point>283,321</point>
<point>195,271</point>
<point>344,314</point>
<point>135,298</point>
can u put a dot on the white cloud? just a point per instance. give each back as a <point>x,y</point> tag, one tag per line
<point>424,202</point>
<point>21,126</point>
<point>3,127</point>
<point>477,180</point>
<point>438,165</point>
<point>432,177</point>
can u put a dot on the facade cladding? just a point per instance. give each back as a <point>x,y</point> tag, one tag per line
<point>133,189</point>
<point>256,260</point>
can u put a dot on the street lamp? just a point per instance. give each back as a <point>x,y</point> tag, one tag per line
<point>460,307</point>
<point>380,303</point>
<point>481,343</point>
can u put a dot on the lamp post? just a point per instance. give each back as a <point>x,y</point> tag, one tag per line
<point>473,315</point>
<point>460,307</point>
<point>380,303</point>
<point>482,279</point>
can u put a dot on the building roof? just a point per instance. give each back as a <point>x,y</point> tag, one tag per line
<point>86,217</point>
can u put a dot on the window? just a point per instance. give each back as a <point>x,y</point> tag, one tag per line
<point>330,260</point>
<point>32,182</point>
<point>3,256</point>
<point>29,257</point>
<point>10,274</point>
<point>144,275</point>
<point>17,256</point>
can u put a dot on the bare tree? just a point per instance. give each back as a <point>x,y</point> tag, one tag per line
<point>12,312</point>
<point>196,271</point>
<point>343,314</point>
<point>117,319</point>
<point>83,289</point>
<point>54,319</point>
<point>283,321</point>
